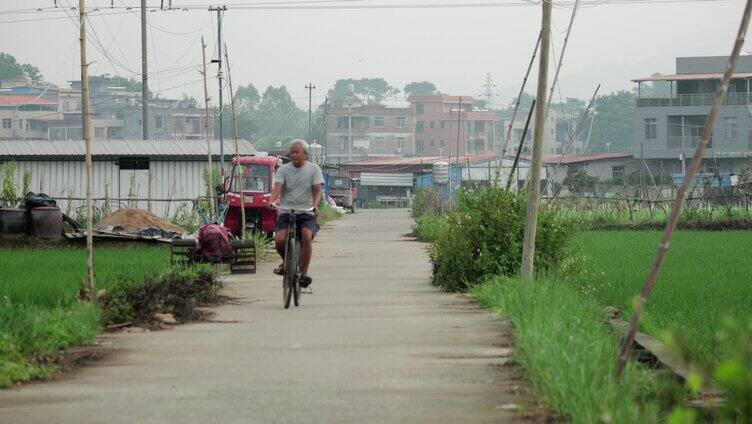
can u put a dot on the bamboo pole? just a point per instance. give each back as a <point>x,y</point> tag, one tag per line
<point>519,148</point>
<point>673,220</point>
<point>561,57</point>
<point>86,120</point>
<point>516,108</point>
<point>209,137</point>
<point>238,166</point>
<point>533,193</point>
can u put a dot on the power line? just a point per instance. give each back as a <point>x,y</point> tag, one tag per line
<point>310,5</point>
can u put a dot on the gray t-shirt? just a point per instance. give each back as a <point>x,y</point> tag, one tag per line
<point>297,193</point>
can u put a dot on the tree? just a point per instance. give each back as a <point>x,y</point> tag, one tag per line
<point>188,102</point>
<point>613,122</point>
<point>32,72</point>
<point>370,90</point>
<point>416,88</point>
<point>247,99</point>
<point>270,118</point>
<point>11,69</point>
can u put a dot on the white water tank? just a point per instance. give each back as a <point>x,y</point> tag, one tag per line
<point>440,173</point>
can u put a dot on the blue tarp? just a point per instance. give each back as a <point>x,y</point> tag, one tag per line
<point>706,179</point>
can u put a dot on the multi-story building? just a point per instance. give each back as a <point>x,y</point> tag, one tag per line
<point>377,131</point>
<point>24,116</point>
<point>552,141</point>
<point>671,111</point>
<point>438,117</point>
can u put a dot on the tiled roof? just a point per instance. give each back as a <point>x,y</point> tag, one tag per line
<point>567,159</point>
<point>12,100</point>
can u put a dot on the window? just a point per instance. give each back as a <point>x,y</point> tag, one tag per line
<point>419,146</point>
<point>342,142</point>
<point>651,128</point>
<point>378,143</point>
<point>617,173</point>
<point>66,106</point>
<point>378,121</point>
<point>401,143</point>
<point>419,127</point>
<point>98,132</point>
<point>419,109</point>
<point>730,127</point>
<point>401,122</point>
<point>133,162</point>
<point>443,124</point>
<point>255,179</point>
<point>433,143</point>
<point>480,126</point>
<point>7,124</point>
<point>441,143</point>
<point>158,121</point>
<point>342,122</point>
<point>432,124</point>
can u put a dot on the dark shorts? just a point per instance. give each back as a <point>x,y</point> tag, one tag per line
<point>304,220</point>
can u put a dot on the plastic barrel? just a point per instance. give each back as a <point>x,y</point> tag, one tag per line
<point>12,223</point>
<point>47,222</point>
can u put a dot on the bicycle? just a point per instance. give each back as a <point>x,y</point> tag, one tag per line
<point>291,278</point>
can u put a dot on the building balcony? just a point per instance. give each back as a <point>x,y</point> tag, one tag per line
<point>699,99</point>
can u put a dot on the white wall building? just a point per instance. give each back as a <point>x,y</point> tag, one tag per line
<point>156,175</point>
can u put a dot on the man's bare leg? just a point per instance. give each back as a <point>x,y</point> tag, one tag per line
<point>306,249</point>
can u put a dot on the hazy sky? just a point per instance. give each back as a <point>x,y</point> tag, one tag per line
<point>452,47</point>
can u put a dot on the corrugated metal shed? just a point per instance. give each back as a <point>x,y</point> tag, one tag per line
<point>386,180</point>
<point>116,148</point>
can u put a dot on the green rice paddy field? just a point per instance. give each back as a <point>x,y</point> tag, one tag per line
<point>706,279</point>
<point>51,277</point>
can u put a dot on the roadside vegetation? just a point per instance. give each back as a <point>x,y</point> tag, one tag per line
<point>568,353</point>
<point>700,308</point>
<point>40,310</point>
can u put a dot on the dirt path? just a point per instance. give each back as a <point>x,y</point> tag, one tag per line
<point>374,343</point>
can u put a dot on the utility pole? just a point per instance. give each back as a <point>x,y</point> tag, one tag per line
<point>86,121</point>
<point>488,92</point>
<point>349,127</point>
<point>533,187</point>
<point>238,167</point>
<point>310,88</point>
<point>209,137</point>
<point>218,61</point>
<point>144,76</point>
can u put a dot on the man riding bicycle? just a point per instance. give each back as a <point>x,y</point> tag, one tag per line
<point>299,185</point>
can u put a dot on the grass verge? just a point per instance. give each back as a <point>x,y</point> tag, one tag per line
<point>40,316</point>
<point>568,353</point>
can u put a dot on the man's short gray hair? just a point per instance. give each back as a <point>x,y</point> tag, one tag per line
<point>302,143</point>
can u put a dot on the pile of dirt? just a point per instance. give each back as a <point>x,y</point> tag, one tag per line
<point>132,219</point>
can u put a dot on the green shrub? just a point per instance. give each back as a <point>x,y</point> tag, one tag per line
<point>426,202</point>
<point>483,237</point>
<point>427,227</point>
<point>327,213</point>
<point>176,292</point>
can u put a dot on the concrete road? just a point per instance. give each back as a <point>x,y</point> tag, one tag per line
<point>374,343</point>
